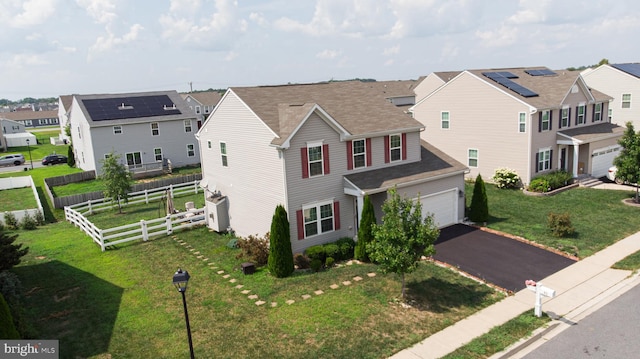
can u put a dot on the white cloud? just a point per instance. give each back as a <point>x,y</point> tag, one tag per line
<point>258,19</point>
<point>328,54</point>
<point>503,36</point>
<point>20,61</point>
<point>231,56</point>
<point>102,11</point>
<point>391,50</point>
<point>109,42</point>
<point>200,28</point>
<point>23,14</point>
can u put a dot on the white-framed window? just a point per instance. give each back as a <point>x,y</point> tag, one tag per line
<point>626,100</point>
<point>580,115</point>
<point>157,154</point>
<point>564,117</point>
<point>522,122</point>
<point>117,130</point>
<point>187,125</point>
<point>318,218</point>
<point>315,155</point>
<point>597,112</point>
<point>395,147</point>
<point>155,129</point>
<point>208,143</point>
<point>545,124</point>
<point>445,120</point>
<point>223,154</point>
<point>134,160</point>
<point>359,153</point>
<point>544,159</point>
<point>191,150</point>
<point>198,110</point>
<point>472,158</point>
<point>79,132</point>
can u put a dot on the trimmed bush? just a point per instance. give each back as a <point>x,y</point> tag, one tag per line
<point>365,235</point>
<point>331,250</point>
<point>280,259</point>
<point>506,178</point>
<point>329,262</point>
<point>301,261</point>
<point>479,209</point>
<point>316,252</point>
<point>550,181</point>
<point>560,224</point>
<point>255,249</point>
<point>540,185</point>
<point>316,265</point>
<point>347,246</point>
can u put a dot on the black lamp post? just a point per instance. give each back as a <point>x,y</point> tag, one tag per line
<point>29,148</point>
<point>180,280</point>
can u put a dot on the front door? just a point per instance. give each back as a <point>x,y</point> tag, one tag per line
<point>563,159</point>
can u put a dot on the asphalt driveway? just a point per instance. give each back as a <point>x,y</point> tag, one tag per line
<point>496,259</point>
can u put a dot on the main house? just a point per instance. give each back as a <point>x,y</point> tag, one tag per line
<point>531,120</point>
<point>622,81</point>
<point>149,130</point>
<point>318,149</point>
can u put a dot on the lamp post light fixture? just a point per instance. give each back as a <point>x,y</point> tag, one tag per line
<point>180,281</point>
<point>29,148</point>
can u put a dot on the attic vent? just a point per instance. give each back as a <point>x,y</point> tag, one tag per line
<point>125,107</point>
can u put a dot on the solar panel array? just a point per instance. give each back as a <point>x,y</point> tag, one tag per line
<point>540,72</point>
<point>631,69</point>
<point>117,108</point>
<point>504,79</point>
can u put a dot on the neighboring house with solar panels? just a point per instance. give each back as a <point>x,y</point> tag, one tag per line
<point>32,119</point>
<point>149,130</point>
<point>202,104</point>
<point>532,120</point>
<point>317,149</point>
<point>622,81</point>
<point>64,111</point>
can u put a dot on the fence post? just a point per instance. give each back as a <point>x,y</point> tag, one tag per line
<point>169,227</point>
<point>102,246</point>
<point>90,207</point>
<point>195,186</point>
<point>143,226</point>
<point>146,196</point>
<point>171,190</point>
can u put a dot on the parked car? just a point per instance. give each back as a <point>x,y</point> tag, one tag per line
<point>9,160</point>
<point>54,159</point>
<point>611,175</point>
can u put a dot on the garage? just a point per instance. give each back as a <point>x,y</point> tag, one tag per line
<point>443,205</point>
<point>602,159</point>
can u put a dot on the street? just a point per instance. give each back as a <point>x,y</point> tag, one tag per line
<point>20,170</point>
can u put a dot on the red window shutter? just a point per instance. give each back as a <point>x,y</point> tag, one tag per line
<point>304,156</point>
<point>386,149</point>
<point>349,155</point>
<point>336,215</point>
<point>300,220</point>
<point>368,149</point>
<point>404,146</point>
<point>325,158</point>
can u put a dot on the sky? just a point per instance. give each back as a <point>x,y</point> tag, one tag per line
<point>50,48</point>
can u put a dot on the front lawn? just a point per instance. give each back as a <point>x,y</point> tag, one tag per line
<point>16,199</point>
<point>599,217</point>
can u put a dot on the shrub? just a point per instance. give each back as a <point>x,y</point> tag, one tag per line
<point>506,178</point>
<point>316,265</point>
<point>347,246</point>
<point>365,235</point>
<point>301,261</point>
<point>550,181</point>
<point>540,185</point>
<point>331,250</point>
<point>39,217</point>
<point>10,220</point>
<point>255,249</point>
<point>232,243</point>
<point>479,209</point>
<point>7,327</point>
<point>28,222</point>
<point>329,262</point>
<point>280,258</point>
<point>560,224</point>
<point>316,252</point>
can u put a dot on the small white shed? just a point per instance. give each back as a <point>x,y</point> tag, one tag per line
<point>20,139</point>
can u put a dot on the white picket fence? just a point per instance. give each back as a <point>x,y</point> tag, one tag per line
<point>143,230</point>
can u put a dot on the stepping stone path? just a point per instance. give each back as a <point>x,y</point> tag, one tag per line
<point>254,297</point>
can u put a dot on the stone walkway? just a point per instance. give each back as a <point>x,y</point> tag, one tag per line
<point>254,297</point>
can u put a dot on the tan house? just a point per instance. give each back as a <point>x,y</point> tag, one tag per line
<point>202,104</point>
<point>531,120</point>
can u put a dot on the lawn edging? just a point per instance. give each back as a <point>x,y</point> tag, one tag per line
<point>550,193</point>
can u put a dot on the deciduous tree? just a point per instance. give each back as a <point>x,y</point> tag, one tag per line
<point>117,180</point>
<point>628,161</point>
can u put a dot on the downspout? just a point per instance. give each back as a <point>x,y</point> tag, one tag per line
<point>532,112</point>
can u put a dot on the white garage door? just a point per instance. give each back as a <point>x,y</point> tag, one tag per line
<point>443,206</point>
<point>602,159</point>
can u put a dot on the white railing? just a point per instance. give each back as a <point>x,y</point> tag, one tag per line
<point>142,230</point>
<point>146,196</point>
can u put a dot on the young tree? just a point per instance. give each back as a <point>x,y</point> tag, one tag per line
<point>403,237</point>
<point>628,161</point>
<point>10,253</point>
<point>71,157</point>
<point>280,262</point>
<point>479,209</point>
<point>117,179</point>
<point>365,234</point>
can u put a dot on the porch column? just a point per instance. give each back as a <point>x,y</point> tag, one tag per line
<point>576,151</point>
<point>360,201</point>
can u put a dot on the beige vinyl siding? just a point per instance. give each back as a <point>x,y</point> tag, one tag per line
<point>481,117</point>
<point>615,83</point>
<point>328,187</point>
<point>254,178</point>
<point>427,86</point>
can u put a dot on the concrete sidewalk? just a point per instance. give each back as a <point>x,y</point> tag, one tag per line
<point>578,287</point>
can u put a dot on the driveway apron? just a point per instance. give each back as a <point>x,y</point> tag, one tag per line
<point>496,259</point>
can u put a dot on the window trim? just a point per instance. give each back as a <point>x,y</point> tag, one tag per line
<point>362,154</point>
<point>191,152</point>
<point>115,131</point>
<point>522,122</point>
<point>320,161</point>
<point>623,102</point>
<point>398,148</point>
<point>581,119</point>
<point>443,121</point>
<point>209,144</point>
<point>155,154</point>
<point>597,115</point>
<point>476,158</point>
<point>155,131</point>
<point>224,157</point>
<point>187,126</point>
<point>319,219</point>
<point>546,121</point>
<point>133,154</point>
<point>546,163</point>
<point>565,120</point>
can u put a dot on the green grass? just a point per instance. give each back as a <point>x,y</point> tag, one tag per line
<point>500,337</point>
<point>17,198</point>
<point>632,262</point>
<point>599,217</point>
